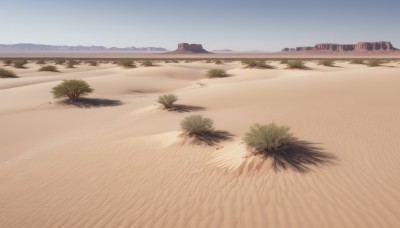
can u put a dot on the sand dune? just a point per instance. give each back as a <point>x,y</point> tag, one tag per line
<point>124,163</point>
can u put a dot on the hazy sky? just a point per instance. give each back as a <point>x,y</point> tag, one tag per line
<point>217,24</point>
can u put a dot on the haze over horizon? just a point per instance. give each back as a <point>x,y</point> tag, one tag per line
<point>237,25</point>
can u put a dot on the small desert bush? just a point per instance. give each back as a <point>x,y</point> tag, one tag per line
<point>7,62</point>
<point>71,63</point>
<point>326,62</point>
<point>49,68</point>
<point>374,62</point>
<point>7,73</point>
<point>59,61</point>
<point>167,100</point>
<point>357,61</point>
<point>284,61</point>
<point>73,89</point>
<point>41,62</point>
<point>296,64</point>
<point>147,63</point>
<point>217,73</point>
<point>196,125</point>
<point>256,64</point>
<point>93,63</point>
<point>127,63</point>
<point>218,62</point>
<point>267,140</point>
<point>19,63</point>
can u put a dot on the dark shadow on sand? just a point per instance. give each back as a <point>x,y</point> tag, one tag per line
<point>186,108</point>
<point>93,103</point>
<point>300,156</point>
<point>212,138</point>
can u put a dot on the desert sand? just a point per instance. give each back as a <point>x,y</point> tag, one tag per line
<point>121,162</point>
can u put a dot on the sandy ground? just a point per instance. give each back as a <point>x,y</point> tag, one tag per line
<point>121,162</point>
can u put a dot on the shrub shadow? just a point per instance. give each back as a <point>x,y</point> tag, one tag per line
<point>186,108</point>
<point>212,138</point>
<point>93,103</point>
<point>299,156</point>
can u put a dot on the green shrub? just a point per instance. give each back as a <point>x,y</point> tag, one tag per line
<point>326,62</point>
<point>196,125</point>
<point>374,62</point>
<point>267,139</point>
<point>41,62</point>
<point>7,62</point>
<point>147,63</point>
<point>59,61</point>
<point>71,63</point>
<point>217,73</point>
<point>7,73</point>
<point>167,100</point>
<point>260,64</point>
<point>284,61</point>
<point>49,68</point>
<point>127,63</point>
<point>73,89</point>
<point>357,61</point>
<point>19,63</point>
<point>296,64</point>
<point>93,63</point>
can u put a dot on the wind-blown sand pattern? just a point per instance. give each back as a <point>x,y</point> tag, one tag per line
<point>121,162</point>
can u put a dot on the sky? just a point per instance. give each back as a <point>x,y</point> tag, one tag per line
<point>240,25</point>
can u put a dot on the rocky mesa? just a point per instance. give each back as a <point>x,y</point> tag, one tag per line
<point>380,46</point>
<point>185,48</point>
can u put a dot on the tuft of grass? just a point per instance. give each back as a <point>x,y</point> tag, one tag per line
<point>259,64</point>
<point>217,73</point>
<point>71,63</point>
<point>196,125</point>
<point>296,64</point>
<point>7,62</point>
<point>147,63</point>
<point>284,61</point>
<point>93,63</point>
<point>357,61</point>
<point>326,62</point>
<point>59,61</point>
<point>41,62</point>
<point>7,73</point>
<point>49,68</point>
<point>374,62</point>
<point>19,63</point>
<point>167,100</point>
<point>267,140</point>
<point>218,62</point>
<point>127,63</point>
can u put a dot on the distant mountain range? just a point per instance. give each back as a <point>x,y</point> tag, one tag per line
<point>43,47</point>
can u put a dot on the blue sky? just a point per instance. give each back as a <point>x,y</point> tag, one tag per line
<point>235,24</point>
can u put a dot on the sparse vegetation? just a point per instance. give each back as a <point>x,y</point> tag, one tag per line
<point>196,125</point>
<point>218,62</point>
<point>296,64</point>
<point>147,63</point>
<point>374,62</point>
<point>284,61</point>
<point>260,64</point>
<point>71,63</point>
<point>326,62</point>
<point>217,73</point>
<point>49,68</point>
<point>73,89</point>
<point>7,62</point>
<point>357,61</point>
<point>127,63</point>
<point>167,100</point>
<point>19,63</point>
<point>267,140</point>
<point>59,61</point>
<point>93,63</point>
<point>41,62</point>
<point>7,73</point>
